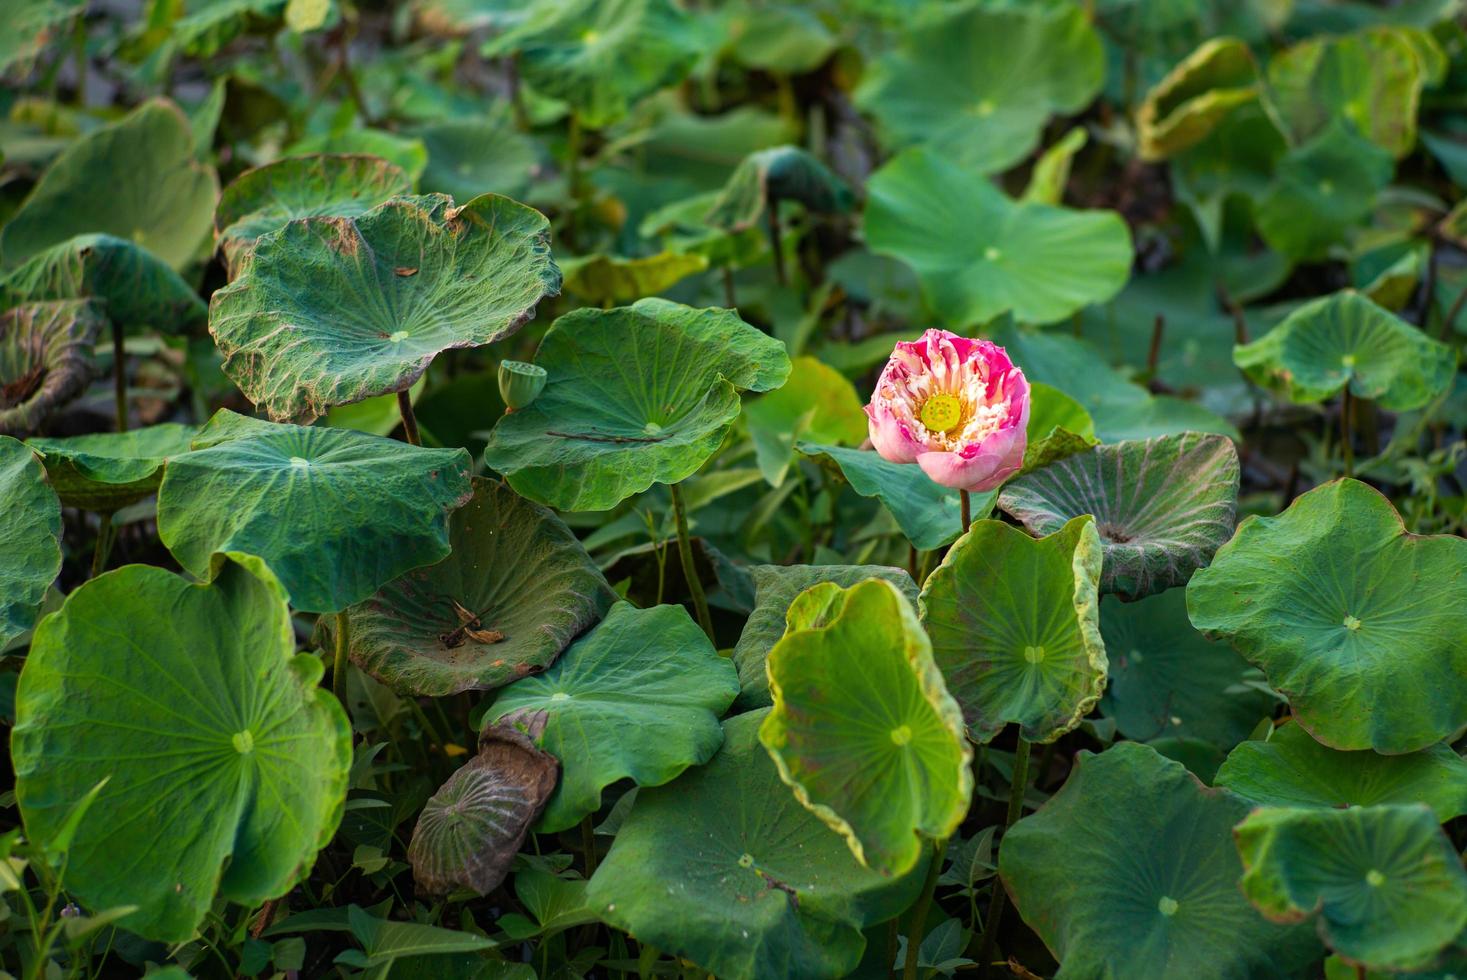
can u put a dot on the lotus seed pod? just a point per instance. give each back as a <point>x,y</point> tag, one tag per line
<point>520,383</point>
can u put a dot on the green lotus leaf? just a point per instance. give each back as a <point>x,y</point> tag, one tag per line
<point>30,539</point>
<point>607,279</point>
<point>1015,628</point>
<point>977,83</point>
<point>978,254</point>
<point>681,228</point>
<point>1051,173</point>
<point>1169,681</point>
<point>615,417</point>
<point>406,153</point>
<point>723,867</point>
<point>639,698</point>
<point>1351,617</point>
<point>225,764</point>
<point>863,728</point>
<point>775,588</point>
<point>781,173</point>
<point>45,359</point>
<point>30,25</point>
<point>1162,506</point>
<point>1373,78</point>
<point>1059,426</point>
<point>469,157</point>
<point>1188,104</point>
<point>515,570</point>
<point>1293,770</point>
<point>1321,190</point>
<point>816,403</point>
<point>602,56</point>
<point>1234,164</point>
<point>1386,883</point>
<point>266,199</point>
<point>335,513</point>
<point>1345,339</point>
<point>106,471</point>
<point>789,40</point>
<point>470,830</point>
<point>1129,871</point>
<point>331,311</point>
<point>455,18</point>
<point>133,287</point>
<point>136,179</point>
<point>929,515</point>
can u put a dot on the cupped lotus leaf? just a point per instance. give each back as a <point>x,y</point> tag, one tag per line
<point>1373,78</point>
<point>607,279</point>
<point>1195,96</point>
<point>723,867</point>
<point>45,359</point>
<point>781,173</point>
<point>930,515</point>
<point>134,288</point>
<point>470,830</point>
<point>330,311</point>
<point>1015,629</point>
<point>863,728</point>
<point>1169,681</point>
<point>1321,190</point>
<point>225,763</point>
<point>1345,339</point>
<point>473,156</point>
<point>1352,618</point>
<point>979,254</point>
<point>267,198</point>
<point>616,417</point>
<point>1293,770</point>
<point>1385,882</point>
<point>775,588</point>
<point>336,514</point>
<point>1162,506</point>
<point>601,56</point>
<point>817,403</point>
<point>978,83</point>
<point>1129,871</point>
<point>136,179</point>
<point>639,698</point>
<point>30,539</point>
<point>105,471</point>
<point>516,589</point>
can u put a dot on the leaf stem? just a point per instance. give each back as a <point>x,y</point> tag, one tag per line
<point>104,545</point>
<point>588,845</point>
<point>917,929</point>
<point>967,510</point>
<point>772,212</point>
<point>996,904</point>
<point>338,669</point>
<point>690,571</point>
<point>119,375</point>
<point>1347,448</point>
<point>409,420</point>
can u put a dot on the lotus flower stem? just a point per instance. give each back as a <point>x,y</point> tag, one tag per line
<point>409,420</point>
<point>772,213</point>
<point>918,927</point>
<point>1017,785</point>
<point>967,502</point>
<point>338,667</point>
<point>119,375</point>
<point>690,571</point>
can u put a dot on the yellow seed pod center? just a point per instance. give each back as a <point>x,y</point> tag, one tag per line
<point>942,412</point>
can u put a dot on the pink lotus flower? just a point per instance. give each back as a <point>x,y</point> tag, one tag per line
<point>956,407</point>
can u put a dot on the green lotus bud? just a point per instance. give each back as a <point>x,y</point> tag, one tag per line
<point>520,383</point>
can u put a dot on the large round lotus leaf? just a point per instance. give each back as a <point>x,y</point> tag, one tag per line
<point>515,570</point>
<point>473,156</point>
<point>1321,190</point>
<point>134,287</point>
<point>782,173</point>
<point>45,359</point>
<point>1372,78</point>
<point>30,539</point>
<point>1345,339</point>
<point>1168,680</point>
<point>1014,623</point>
<point>268,198</point>
<point>471,829</point>
<point>637,698</point>
<point>136,179</point>
<point>616,417</point>
<point>723,867</point>
<point>1354,620</point>
<point>788,40</point>
<point>330,311</point>
<point>775,587</point>
<point>1386,883</point>
<point>106,471</point>
<point>929,514</point>
<point>602,56</point>
<point>1291,769</point>
<point>335,513</point>
<point>817,402</point>
<point>225,763</point>
<point>30,26</point>
<point>1203,89</point>
<point>863,728</point>
<point>978,83</point>
<point>1162,506</point>
<point>979,254</point>
<point>1130,871</point>
<point>607,279</point>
